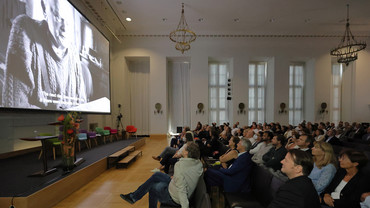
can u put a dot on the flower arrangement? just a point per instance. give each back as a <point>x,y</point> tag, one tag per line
<point>69,130</point>
<point>69,127</point>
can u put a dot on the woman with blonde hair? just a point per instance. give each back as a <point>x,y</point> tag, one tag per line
<point>325,165</point>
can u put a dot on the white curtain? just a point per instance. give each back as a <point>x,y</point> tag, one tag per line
<point>178,95</point>
<point>139,95</point>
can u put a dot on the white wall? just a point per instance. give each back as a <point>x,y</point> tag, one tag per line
<point>279,52</point>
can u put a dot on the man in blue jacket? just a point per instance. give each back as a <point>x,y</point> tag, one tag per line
<point>237,177</point>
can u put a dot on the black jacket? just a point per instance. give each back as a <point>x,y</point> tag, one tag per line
<point>298,192</point>
<point>273,157</point>
<point>351,193</point>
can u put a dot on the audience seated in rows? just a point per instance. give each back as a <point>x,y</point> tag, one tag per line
<point>331,138</point>
<point>366,137</point>
<point>231,154</point>
<point>173,191</point>
<point>268,150</point>
<point>265,147</point>
<point>237,177</point>
<point>349,183</point>
<point>324,168</point>
<point>256,141</point>
<point>276,154</point>
<point>305,142</point>
<point>170,159</point>
<point>298,191</point>
<point>177,142</point>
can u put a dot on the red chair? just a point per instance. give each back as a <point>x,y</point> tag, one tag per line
<point>113,132</point>
<point>131,130</point>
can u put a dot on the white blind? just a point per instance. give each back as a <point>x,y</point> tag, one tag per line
<point>257,88</point>
<point>296,84</point>
<point>218,108</point>
<point>336,87</point>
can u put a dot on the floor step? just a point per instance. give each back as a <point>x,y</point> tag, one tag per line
<point>128,159</point>
<point>113,158</point>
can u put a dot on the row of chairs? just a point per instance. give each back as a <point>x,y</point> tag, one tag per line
<point>87,136</point>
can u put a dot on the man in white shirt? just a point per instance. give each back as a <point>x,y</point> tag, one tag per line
<point>175,191</point>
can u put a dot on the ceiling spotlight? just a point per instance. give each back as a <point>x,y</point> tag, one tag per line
<point>128,19</point>
<point>164,19</point>
<point>236,20</point>
<point>200,19</point>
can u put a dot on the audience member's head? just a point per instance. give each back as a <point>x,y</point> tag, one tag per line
<point>189,136</point>
<point>244,145</point>
<point>323,154</point>
<point>352,158</point>
<point>278,141</point>
<point>234,141</point>
<point>248,133</point>
<point>267,135</point>
<point>297,163</point>
<point>193,150</point>
<point>331,132</point>
<point>304,141</point>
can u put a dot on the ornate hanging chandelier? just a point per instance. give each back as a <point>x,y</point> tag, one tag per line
<point>348,48</point>
<point>182,36</point>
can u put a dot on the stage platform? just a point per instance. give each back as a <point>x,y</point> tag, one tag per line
<point>29,192</point>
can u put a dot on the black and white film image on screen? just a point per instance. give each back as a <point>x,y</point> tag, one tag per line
<point>52,58</point>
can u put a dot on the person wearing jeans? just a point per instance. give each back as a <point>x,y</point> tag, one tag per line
<point>175,191</point>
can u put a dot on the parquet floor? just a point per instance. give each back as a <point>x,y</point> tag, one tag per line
<point>104,190</point>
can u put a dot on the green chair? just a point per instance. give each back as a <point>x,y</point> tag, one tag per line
<point>54,142</point>
<point>102,132</point>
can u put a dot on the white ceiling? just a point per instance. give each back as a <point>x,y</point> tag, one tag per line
<point>255,17</point>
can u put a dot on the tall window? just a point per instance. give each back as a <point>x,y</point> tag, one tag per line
<point>336,87</point>
<point>257,88</point>
<point>218,75</point>
<point>296,84</point>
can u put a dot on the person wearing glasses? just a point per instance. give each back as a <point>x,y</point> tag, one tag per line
<point>349,183</point>
<point>43,68</point>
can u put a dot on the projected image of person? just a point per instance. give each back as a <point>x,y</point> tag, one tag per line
<point>43,69</point>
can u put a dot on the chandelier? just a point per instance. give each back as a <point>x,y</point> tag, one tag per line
<point>348,48</point>
<point>182,36</point>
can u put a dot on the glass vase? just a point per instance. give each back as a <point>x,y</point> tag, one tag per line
<point>68,156</point>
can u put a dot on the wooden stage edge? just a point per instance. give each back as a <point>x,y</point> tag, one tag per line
<point>56,192</point>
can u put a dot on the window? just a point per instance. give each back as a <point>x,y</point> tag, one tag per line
<point>218,108</point>
<point>296,84</point>
<point>257,88</point>
<point>336,87</point>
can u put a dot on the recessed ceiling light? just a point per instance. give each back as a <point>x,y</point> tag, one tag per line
<point>236,20</point>
<point>164,19</point>
<point>308,20</point>
<point>200,19</point>
<point>128,19</point>
<point>272,20</point>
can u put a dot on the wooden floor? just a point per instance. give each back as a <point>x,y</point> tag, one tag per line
<point>104,190</point>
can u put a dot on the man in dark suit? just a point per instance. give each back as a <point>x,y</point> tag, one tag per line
<point>331,138</point>
<point>237,177</point>
<point>273,157</point>
<point>305,142</point>
<point>298,191</point>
